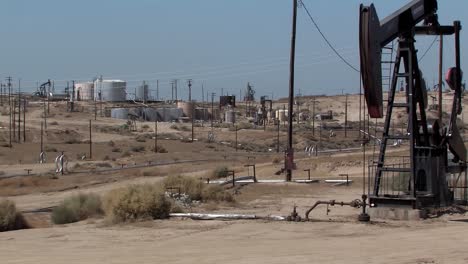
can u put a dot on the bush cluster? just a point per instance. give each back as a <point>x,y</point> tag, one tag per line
<point>137,202</point>
<point>10,218</point>
<point>77,208</point>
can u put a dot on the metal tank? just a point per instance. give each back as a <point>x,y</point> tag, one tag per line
<point>141,92</point>
<point>214,114</point>
<point>201,114</point>
<point>150,114</point>
<point>110,90</point>
<point>230,116</point>
<point>119,113</point>
<point>84,91</point>
<point>282,115</point>
<point>187,108</point>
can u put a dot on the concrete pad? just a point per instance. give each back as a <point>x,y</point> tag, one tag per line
<point>397,213</point>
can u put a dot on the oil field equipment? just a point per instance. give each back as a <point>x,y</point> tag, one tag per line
<point>435,150</point>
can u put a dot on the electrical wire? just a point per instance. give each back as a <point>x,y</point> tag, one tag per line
<point>325,38</point>
<point>428,49</point>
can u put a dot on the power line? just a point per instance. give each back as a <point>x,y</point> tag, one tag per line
<point>325,38</point>
<point>429,48</point>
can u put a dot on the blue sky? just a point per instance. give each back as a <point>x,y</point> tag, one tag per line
<point>221,43</point>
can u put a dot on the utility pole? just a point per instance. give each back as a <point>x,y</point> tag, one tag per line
<point>42,137</point>
<point>24,120</point>
<point>313,117</point>
<point>441,58</point>
<point>14,120</point>
<point>9,104</point>
<point>90,142</point>
<point>278,136</point>
<point>172,91</point>
<point>346,117</point>
<point>19,110</point>
<point>156,136</point>
<point>297,108</point>
<point>289,161</point>
<point>235,127</point>
<point>193,120</point>
<point>212,110</point>
<point>1,93</point>
<point>189,83</point>
<point>203,93</point>
<point>157,90</point>
<point>175,88</point>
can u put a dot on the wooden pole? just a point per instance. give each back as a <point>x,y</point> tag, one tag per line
<point>290,152</point>
<point>90,141</point>
<point>156,136</point>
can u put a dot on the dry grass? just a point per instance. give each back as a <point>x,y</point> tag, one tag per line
<point>197,190</point>
<point>220,172</point>
<point>20,185</point>
<point>10,219</point>
<point>77,208</point>
<point>136,202</point>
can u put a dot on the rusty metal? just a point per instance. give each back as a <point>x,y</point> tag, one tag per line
<point>294,216</point>
<point>254,171</point>
<point>355,204</point>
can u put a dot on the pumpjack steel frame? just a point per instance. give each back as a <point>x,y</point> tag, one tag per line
<point>428,165</point>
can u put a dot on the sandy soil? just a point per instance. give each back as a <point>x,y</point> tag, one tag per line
<point>336,237</point>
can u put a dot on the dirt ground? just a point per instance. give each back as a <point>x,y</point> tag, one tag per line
<point>122,157</point>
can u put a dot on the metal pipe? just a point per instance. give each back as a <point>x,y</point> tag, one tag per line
<point>355,204</point>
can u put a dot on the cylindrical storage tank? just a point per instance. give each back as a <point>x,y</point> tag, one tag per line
<point>84,91</point>
<point>141,93</point>
<point>119,113</point>
<point>150,114</point>
<point>230,117</point>
<point>110,90</point>
<point>201,114</point>
<point>187,108</point>
<point>214,114</point>
<point>282,115</point>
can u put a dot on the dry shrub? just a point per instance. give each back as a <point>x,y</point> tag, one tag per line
<point>77,208</point>
<point>140,138</point>
<point>188,185</point>
<point>160,149</point>
<point>10,219</point>
<point>197,190</point>
<point>216,193</point>
<point>22,182</point>
<point>115,149</point>
<point>137,202</point>
<point>276,160</point>
<point>72,141</point>
<point>137,148</point>
<point>221,172</point>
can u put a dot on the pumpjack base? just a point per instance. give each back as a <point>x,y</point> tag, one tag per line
<point>397,213</point>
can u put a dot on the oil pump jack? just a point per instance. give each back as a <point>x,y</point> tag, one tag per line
<point>435,149</point>
<point>42,91</point>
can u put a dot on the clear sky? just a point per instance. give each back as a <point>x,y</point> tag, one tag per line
<point>221,43</point>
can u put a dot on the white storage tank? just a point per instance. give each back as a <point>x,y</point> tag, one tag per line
<point>84,91</point>
<point>230,116</point>
<point>282,115</point>
<point>110,90</point>
<point>141,93</point>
